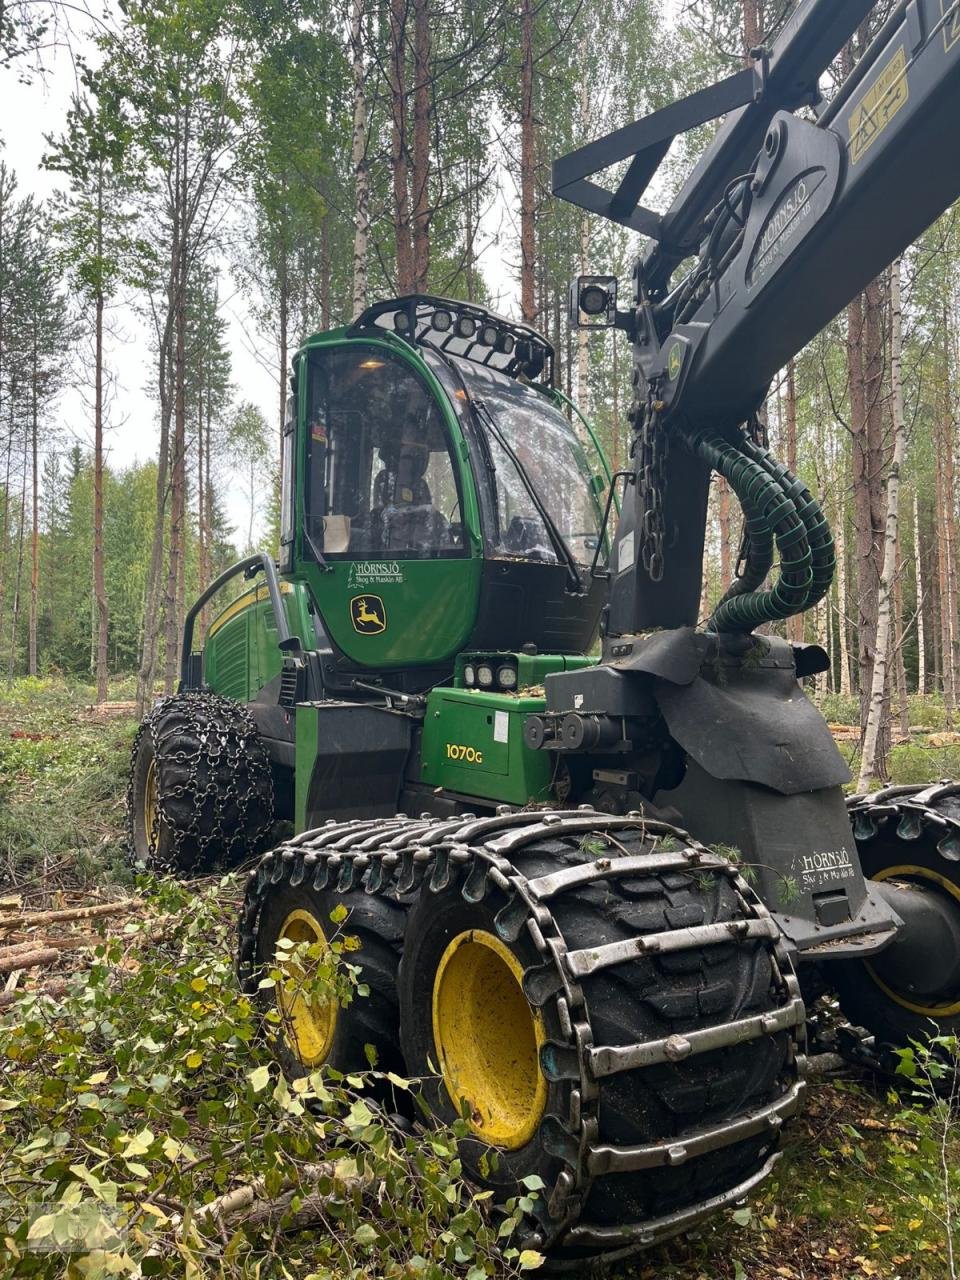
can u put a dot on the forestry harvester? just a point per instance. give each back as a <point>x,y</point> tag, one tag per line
<point>592,879</point>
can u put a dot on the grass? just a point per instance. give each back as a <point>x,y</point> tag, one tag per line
<point>168,1049</point>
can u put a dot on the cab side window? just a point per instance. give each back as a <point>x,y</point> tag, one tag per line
<point>380,475</point>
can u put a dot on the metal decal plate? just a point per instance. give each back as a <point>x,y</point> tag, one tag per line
<point>877,106</point>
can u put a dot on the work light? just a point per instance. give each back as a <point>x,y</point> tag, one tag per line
<point>469,675</point>
<point>488,335</point>
<point>593,301</point>
<point>484,675</point>
<point>441,320</point>
<point>507,677</point>
<point>466,327</point>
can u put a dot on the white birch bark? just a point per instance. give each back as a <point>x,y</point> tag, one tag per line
<point>875,708</point>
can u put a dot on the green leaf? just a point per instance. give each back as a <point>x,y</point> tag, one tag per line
<point>339,913</point>
<point>365,1234</point>
<point>529,1260</point>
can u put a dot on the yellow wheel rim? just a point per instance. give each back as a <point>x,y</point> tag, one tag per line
<point>915,873</point>
<point>309,1024</point>
<point>488,1039</point>
<point>150,805</point>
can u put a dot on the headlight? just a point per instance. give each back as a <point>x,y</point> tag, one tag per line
<point>469,675</point>
<point>484,675</point>
<point>507,677</point>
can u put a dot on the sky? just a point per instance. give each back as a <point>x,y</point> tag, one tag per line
<point>31,112</point>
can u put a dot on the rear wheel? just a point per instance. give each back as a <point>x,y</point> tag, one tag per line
<point>609,1016</point>
<point>200,789</point>
<point>292,894</point>
<point>308,1033</point>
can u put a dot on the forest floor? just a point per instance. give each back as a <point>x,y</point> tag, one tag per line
<point>143,1090</point>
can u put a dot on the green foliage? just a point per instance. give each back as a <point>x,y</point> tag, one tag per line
<point>62,781</point>
<point>145,1093</point>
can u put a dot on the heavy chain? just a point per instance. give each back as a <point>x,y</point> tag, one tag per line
<point>402,856</point>
<point>214,787</point>
<point>650,454</point>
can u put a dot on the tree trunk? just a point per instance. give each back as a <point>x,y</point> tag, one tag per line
<point>948,604</point>
<point>284,338</point>
<point>177,489</point>
<point>751,25</point>
<point>99,581</point>
<point>795,622</point>
<point>870,755</point>
<point>34,509</point>
<point>18,581</point>
<point>921,603</point>
<point>842,601</point>
<point>361,178</point>
<point>398,148</point>
<point>865,366</point>
<point>528,243</point>
<point>421,145</point>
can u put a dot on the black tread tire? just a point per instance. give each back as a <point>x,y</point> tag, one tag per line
<point>862,1001</point>
<point>214,782</point>
<point>378,922</point>
<point>646,998</point>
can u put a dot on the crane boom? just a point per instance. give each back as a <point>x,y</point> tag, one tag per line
<point>783,233</point>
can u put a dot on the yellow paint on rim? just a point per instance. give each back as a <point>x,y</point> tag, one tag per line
<point>309,1025</point>
<point>920,873</point>
<point>151,803</point>
<point>254,596</point>
<point>488,1039</point>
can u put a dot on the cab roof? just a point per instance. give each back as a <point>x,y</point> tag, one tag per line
<point>463,329</point>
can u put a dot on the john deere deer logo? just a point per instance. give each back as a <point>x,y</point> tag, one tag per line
<point>368,615</point>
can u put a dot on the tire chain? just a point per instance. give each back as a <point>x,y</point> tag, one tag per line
<point>400,855</point>
<point>913,809</point>
<point>240,779</point>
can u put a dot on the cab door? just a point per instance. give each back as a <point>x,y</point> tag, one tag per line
<point>389,537</point>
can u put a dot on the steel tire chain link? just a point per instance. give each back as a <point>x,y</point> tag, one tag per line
<point>235,751</point>
<point>912,807</point>
<point>399,855</point>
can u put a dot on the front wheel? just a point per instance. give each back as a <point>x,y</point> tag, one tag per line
<point>606,1007</point>
<point>909,838</point>
<point>200,790</point>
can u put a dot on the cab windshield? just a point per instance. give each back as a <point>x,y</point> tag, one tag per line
<point>532,445</point>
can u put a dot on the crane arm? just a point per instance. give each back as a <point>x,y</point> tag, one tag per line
<point>815,213</point>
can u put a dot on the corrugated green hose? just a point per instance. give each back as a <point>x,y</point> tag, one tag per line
<point>778,507</point>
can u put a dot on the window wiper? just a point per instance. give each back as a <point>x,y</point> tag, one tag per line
<point>562,551</point>
<point>322,561</point>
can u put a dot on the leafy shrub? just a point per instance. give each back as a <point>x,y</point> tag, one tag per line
<point>145,1094</point>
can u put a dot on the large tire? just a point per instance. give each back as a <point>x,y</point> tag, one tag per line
<point>289,905</point>
<point>908,835</point>
<point>341,863</point>
<point>200,791</point>
<point>637,1149</point>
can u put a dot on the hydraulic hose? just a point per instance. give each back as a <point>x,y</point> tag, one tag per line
<point>777,507</point>
<point>822,551</point>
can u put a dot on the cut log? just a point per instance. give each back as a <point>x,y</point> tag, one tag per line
<point>32,919</point>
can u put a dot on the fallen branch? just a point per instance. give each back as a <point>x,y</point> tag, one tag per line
<point>30,919</point>
<point>29,959</point>
<point>54,990</point>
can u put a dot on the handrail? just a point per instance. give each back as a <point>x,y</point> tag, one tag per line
<point>250,567</point>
